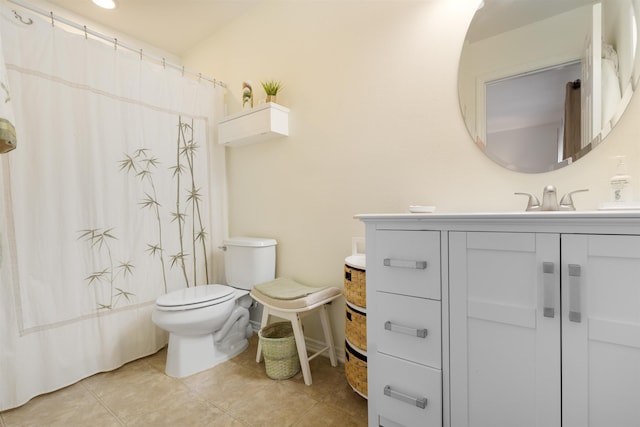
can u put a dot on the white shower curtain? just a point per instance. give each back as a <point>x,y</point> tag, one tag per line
<point>113,197</point>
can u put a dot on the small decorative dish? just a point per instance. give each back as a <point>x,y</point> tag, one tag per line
<point>421,209</point>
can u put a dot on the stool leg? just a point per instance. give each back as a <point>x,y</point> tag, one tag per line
<point>328,335</point>
<point>264,322</point>
<point>302,348</point>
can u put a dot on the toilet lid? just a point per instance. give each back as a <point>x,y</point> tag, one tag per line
<point>195,297</point>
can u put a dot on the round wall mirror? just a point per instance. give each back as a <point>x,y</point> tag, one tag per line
<point>541,82</point>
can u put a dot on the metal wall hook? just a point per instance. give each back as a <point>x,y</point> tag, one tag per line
<point>28,21</point>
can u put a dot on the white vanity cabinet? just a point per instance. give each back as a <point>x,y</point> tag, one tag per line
<point>534,319</point>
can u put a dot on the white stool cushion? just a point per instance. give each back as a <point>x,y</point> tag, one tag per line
<point>287,294</point>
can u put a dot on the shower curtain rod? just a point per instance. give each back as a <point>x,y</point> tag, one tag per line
<point>117,43</point>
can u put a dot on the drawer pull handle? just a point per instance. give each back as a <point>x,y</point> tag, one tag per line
<point>414,332</point>
<point>574,293</point>
<point>420,402</point>
<point>418,265</point>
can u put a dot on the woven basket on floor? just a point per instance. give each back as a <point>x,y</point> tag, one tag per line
<point>279,350</point>
<point>356,327</point>
<point>355,368</point>
<point>355,290</point>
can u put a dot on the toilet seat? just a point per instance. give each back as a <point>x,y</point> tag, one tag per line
<point>195,297</point>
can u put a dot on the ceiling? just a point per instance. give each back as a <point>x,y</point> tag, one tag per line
<point>171,25</point>
<point>177,25</point>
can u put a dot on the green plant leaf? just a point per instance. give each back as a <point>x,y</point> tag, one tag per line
<point>272,87</point>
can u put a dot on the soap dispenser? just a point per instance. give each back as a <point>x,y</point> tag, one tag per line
<point>621,182</point>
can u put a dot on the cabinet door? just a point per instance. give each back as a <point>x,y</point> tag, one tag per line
<point>600,331</point>
<point>504,292</point>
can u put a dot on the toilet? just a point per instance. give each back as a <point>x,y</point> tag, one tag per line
<point>209,324</point>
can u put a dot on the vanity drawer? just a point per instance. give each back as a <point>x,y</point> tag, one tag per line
<point>408,262</point>
<point>409,328</point>
<point>407,394</point>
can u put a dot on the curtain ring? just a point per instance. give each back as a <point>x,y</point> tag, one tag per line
<point>140,54</point>
<point>115,44</point>
<point>164,63</point>
<point>199,77</point>
<point>51,13</point>
<point>183,71</point>
<point>85,32</point>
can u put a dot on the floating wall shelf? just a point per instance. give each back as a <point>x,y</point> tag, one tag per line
<point>262,123</point>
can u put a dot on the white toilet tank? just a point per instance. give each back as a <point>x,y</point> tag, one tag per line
<point>249,261</point>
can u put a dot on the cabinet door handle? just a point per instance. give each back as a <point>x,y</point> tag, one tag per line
<point>574,293</point>
<point>401,263</point>
<point>414,332</point>
<point>420,402</point>
<point>548,268</point>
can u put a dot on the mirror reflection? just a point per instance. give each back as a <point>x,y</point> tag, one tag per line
<point>541,82</point>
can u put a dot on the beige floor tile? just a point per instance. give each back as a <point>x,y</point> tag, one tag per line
<point>227,383</point>
<point>272,405</point>
<point>145,394</point>
<point>158,360</point>
<point>237,393</point>
<point>193,413</point>
<point>322,415</point>
<point>136,372</point>
<point>344,398</point>
<point>71,406</point>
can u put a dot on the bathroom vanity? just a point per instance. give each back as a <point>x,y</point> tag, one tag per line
<point>508,319</point>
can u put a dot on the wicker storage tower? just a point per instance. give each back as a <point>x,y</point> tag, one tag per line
<point>356,323</point>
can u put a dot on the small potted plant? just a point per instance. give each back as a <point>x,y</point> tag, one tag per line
<point>271,88</point>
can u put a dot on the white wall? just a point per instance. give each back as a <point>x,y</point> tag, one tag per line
<point>374,127</point>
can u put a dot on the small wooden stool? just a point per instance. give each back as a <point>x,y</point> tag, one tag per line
<point>290,300</point>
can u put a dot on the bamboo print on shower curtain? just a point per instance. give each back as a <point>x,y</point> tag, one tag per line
<point>187,149</point>
<point>85,246</point>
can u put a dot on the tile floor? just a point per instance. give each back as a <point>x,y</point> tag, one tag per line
<point>236,393</point>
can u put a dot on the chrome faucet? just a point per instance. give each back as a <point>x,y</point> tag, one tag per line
<point>550,200</point>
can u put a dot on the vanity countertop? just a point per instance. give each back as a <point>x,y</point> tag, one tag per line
<point>605,221</point>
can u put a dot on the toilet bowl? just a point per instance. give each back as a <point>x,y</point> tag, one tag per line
<point>209,324</point>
